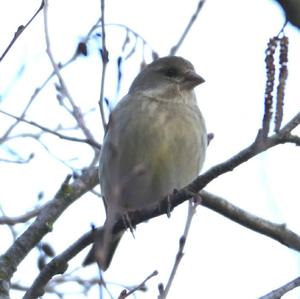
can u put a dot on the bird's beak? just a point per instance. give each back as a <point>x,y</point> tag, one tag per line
<point>192,79</point>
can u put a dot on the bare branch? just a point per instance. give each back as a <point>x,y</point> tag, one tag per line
<point>137,36</point>
<point>19,161</point>
<point>58,265</point>
<point>278,293</point>
<point>37,90</point>
<point>105,59</point>
<point>9,220</point>
<point>175,48</point>
<point>91,142</point>
<point>20,30</point>
<point>141,286</point>
<point>275,231</point>
<point>11,228</point>
<point>218,204</point>
<point>6,134</point>
<point>182,241</point>
<point>67,194</point>
<point>293,139</point>
<point>278,232</point>
<point>76,111</point>
<point>290,126</point>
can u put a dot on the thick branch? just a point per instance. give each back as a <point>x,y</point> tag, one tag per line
<point>260,145</point>
<point>89,179</point>
<point>275,231</point>
<point>67,194</point>
<point>57,266</point>
<point>278,232</point>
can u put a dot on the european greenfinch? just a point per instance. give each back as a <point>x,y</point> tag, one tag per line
<point>155,142</point>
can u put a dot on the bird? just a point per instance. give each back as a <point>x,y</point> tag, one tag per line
<point>292,11</point>
<point>155,143</point>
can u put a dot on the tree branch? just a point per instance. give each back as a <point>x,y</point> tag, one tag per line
<point>278,293</point>
<point>22,218</point>
<point>91,142</point>
<point>76,112</point>
<point>141,286</point>
<point>202,181</point>
<point>278,232</point>
<point>104,56</point>
<point>20,30</point>
<point>175,48</point>
<point>42,225</point>
<point>58,265</point>
<point>68,193</point>
<point>275,231</point>
<point>182,241</point>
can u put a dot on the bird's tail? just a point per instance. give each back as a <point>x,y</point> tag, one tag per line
<point>103,248</point>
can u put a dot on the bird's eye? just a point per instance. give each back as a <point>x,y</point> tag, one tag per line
<point>171,72</point>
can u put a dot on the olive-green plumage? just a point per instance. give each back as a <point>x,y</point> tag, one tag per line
<point>155,143</point>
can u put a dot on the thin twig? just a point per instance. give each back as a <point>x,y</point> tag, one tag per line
<point>137,36</point>
<point>10,226</point>
<point>175,48</point>
<point>125,294</point>
<point>65,137</point>
<point>76,113</point>
<point>20,30</point>
<point>19,161</point>
<point>182,241</point>
<point>10,220</point>
<point>220,205</point>
<point>104,56</point>
<point>9,130</point>
<point>40,88</point>
<point>278,293</point>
